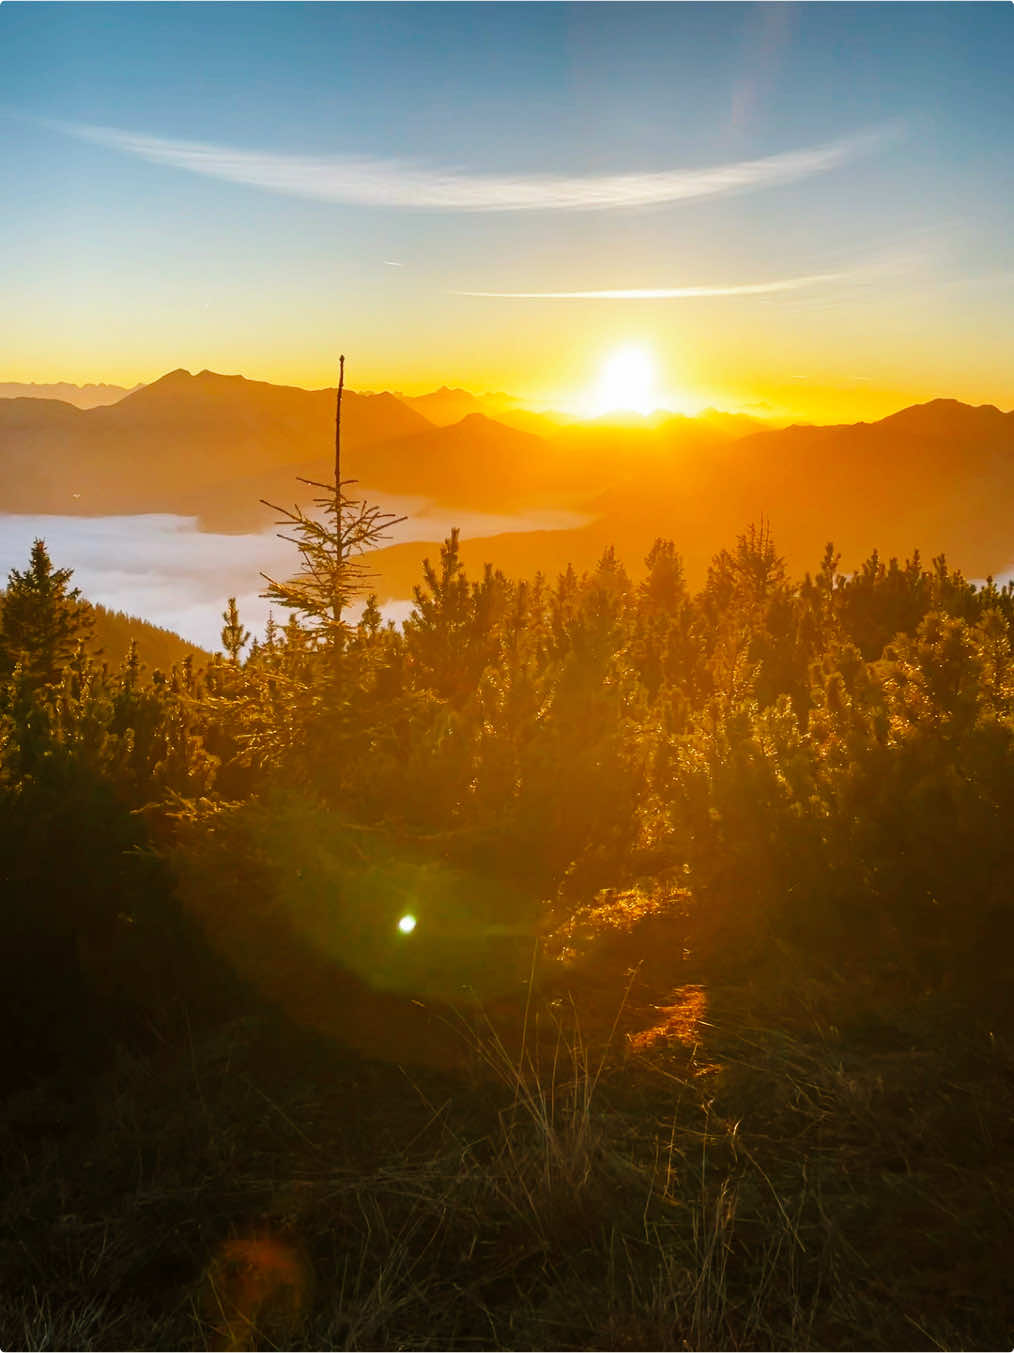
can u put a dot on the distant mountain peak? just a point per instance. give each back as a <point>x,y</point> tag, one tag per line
<point>942,416</point>
<point>180,376</point>
<point>482,425</point>
<point>231,376</point>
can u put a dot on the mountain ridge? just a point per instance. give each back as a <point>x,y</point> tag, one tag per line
<point>87,396</point>
<point>935,477</point>
<point>164,445</point>
<point>211,445</point>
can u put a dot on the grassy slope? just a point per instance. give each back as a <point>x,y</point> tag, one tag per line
<point>732,1170</point>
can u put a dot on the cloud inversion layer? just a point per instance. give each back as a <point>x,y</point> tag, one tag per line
<point>364,181</point>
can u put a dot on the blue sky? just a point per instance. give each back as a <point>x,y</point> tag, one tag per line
<point>876,141</point>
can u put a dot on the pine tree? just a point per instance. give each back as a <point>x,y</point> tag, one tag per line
<point>234,636</point>
<point>452,632</point>
<point>44,620</point>
<point>371,619</point>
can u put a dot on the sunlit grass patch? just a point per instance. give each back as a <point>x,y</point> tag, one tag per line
<point>604,940</point>
<point>677,1022</point>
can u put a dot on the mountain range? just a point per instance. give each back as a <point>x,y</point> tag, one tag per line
<point>82,396</point>
<point>162,448</point>
<point>936,476</point>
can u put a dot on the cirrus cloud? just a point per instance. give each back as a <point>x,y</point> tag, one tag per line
<point>376,182</point>
<point>665,293</point>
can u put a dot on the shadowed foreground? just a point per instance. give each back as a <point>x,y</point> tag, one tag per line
<point>713,1184</point>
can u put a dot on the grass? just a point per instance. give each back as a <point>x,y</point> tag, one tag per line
<point>727,1184</point>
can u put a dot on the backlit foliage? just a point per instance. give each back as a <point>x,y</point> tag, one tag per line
<point>828,760</point>
<point>618,786</point>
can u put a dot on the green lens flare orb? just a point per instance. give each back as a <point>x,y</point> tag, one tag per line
<point>406,925</point>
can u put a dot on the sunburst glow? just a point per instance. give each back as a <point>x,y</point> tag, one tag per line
<point>626,383</point>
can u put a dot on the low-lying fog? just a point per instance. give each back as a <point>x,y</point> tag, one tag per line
<point>162,568</point>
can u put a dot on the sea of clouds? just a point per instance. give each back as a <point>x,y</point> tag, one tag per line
<point>164,569</point>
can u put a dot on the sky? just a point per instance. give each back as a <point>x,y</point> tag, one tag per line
<point>797,209</point>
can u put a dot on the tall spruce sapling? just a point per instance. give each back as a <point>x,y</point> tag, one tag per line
<point>331,544</point>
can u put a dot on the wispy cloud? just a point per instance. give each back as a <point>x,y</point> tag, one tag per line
<point>373,182</point>
<point>666,293</point>
<point>857,273</point>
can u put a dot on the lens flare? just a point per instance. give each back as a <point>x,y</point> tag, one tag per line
<point>406,925</point>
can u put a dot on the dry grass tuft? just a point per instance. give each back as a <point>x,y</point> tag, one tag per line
<point>729,1185</point>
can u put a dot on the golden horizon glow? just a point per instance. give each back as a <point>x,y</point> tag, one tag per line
<point>778,393</point>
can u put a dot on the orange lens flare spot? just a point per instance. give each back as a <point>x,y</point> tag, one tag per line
<point>257,1288</point>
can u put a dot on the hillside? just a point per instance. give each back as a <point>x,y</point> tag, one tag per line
<point>936,476</point>
<point>158,649</point>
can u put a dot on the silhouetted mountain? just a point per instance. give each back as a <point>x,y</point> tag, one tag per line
<point>545,424</point>
<point>476,464</point>
<point>214,446</point>
<point>160,448</point>
<point>732,424</point>
<point>606,453</point>
<point>269,420</point>
<point>33,416</point>
<point>936,477</point>
<point>444,406</point>
<point>81,396</point>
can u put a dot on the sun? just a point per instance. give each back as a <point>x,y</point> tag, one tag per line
<point>626,383</point>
